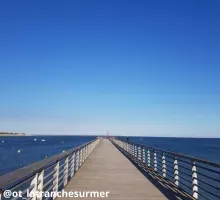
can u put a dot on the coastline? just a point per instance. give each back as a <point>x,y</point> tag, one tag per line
<point>11,134</point>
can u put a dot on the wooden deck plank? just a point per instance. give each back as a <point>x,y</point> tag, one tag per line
<point>107,169</point>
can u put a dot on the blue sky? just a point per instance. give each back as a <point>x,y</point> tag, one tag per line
<point>133,67</point>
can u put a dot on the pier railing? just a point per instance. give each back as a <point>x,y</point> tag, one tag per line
<point>200,179</point>
<point>51,174</point>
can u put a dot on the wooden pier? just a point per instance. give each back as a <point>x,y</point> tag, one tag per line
<point>122,170</point>
<point>107,169</point>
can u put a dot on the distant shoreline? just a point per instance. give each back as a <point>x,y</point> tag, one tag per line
<point>11,134</point>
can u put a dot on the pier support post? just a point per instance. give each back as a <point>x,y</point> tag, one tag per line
<point>155,161</point>
<point>164,165</point>
<point>176,172</point>
<point>66,171</point>
<point>148,158</point>
<point>194,181</point>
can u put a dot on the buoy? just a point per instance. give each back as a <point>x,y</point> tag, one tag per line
<point>19,151</point>
<point>35,139</point>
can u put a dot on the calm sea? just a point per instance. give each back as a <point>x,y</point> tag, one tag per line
<point>204,148</point>
<point>16,152</point>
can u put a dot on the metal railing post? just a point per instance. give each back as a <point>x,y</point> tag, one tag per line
<point>34,182</point>
<point>56,180</point>
<point>164,165</point>
<point>40,185</point>
<point>80,157</point>
<point>176,172</point>
<point>77,160</point>
<point>135,151</point>
<point>148,158</point>
<point>155,161</point>
<point>143,155</point>
<point>139,152</point>
<point>87,151</point>
<point>66,171</point>
<point>89,148</point>
<point>194,181</point>
<point>128,148</point>
<point>84,155</point>
<point>73,164</point>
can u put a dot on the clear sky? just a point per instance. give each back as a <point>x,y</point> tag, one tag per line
<point>136,67</point>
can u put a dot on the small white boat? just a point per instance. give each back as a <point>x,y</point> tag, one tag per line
<point>19,150</point>
<point>3,141</point>
<point>43,140</point>
<point>35,139</point>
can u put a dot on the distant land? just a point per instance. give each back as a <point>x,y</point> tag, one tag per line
<point>11,134</point>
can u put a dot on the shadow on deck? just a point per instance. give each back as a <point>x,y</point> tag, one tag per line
<point>169,190</point>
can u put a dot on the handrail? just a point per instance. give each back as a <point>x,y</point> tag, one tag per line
<point>164,163</point>
<point>36,170</point>
<point>175,154</point>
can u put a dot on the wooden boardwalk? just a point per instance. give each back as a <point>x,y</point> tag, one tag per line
<point>107,169</point>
